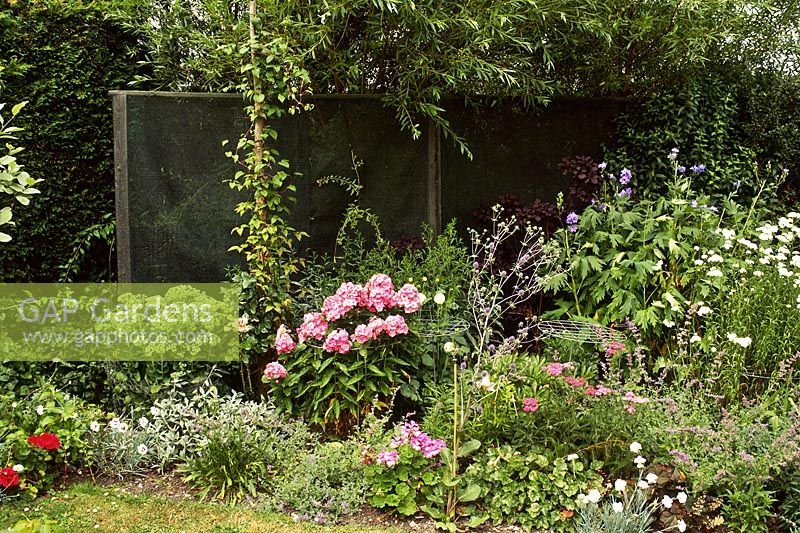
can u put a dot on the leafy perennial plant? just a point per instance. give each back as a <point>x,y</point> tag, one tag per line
<point>340,367</point>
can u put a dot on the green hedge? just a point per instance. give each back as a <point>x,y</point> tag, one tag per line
<point>63,56</point>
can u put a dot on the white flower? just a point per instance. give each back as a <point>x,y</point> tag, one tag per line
<point>142,449</point>
<point>422,298</point>
<point>681,525</point>
<point>486,383</point>
<point>716,258</point>
<point>642,484</point>
<point>439,298</point>
<point>40,410</point>
<point>744,342</point>
<point>620,485</point>
<point>154,411</point>
<point>714,273</point>
<point>658,266</point>
<point>681,497</point>
<point>699,262</point>
<point>617,506</point>
<point>651,478</point>
<point>666,502</point>
<point>635,447</point>
<point>95,426</point>
<point>114,424</point>
<point>449,347</point>
<point>669,323</point>
<point>732,337</point>
<point>18,468</point>
<point>695,338</point>
<point>639,461</point>
<point>704,310</point>
<point>572,457</point>
<point>123,427</point>
<point>144,422</point>
<point>582,499</point>
<point>757,273</point>
<point>593,496</point>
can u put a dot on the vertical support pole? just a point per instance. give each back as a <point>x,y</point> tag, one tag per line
<point>119,104</point>
<point>434,178</point>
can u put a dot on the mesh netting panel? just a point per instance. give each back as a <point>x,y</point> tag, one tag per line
<point>516,151</point>
<point>181,212</point>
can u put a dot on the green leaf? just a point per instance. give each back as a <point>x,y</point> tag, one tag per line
<point>17,108</point>
<point>469,447</point>
<point>470,493</point>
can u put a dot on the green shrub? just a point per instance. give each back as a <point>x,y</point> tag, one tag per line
<point>701,118</point>
<point>45,410</point>
<point>63,57</point>
<point>327,482</point>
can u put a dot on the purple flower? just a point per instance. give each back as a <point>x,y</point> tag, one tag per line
<point>573,228</point>
<point>625,193</point>
<point>681,169</point>
<point>602,166</point>
<point>602,207</point>
<point>625,176</point>
<point>697,169</point>
<point>572,218</point>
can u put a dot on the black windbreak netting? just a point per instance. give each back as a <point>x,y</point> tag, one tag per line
<point>175,211</point>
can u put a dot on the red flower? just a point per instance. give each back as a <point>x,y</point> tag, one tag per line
<point>8,478</point>
<point>45,441</point>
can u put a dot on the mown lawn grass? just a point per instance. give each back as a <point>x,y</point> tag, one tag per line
<point>86,508</point>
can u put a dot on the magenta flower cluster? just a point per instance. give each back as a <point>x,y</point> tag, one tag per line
<point>412,435</point>
<point>387,458</point>
<point>629,399</point>
<point>530,405</point>
<point>556,369</point>
<point>376,296</point>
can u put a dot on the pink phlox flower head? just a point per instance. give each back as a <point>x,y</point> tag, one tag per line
<point>555,369</point>
<point>602,390</point>
<point>387,458</point>
<point>575,382</point>
<point>530,405</point>
<point>615,347</point>
<point>394,325</point>
<point>337,340</point>
<point>380,293</point>
<point>376,326</point>
<point>314,326</point>
<point>274,370</point>
<point>362,334</point>
<point>409,298</point>
<point>283,341</point>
